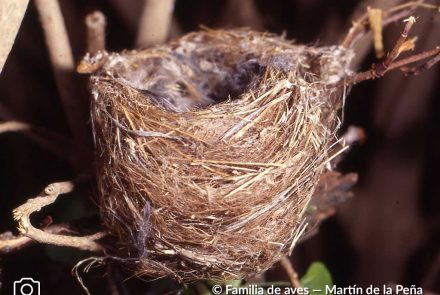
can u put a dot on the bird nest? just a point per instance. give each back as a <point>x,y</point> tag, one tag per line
<point>210,147</point>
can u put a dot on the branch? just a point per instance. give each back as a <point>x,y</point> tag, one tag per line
<point>10,243</point>
<point>48,196</point>
<point>155,22</point>
<point>11,16</point>
<point>95,23</point>
<point>96,55</point>
<point>13,126</point>
<point>390,63</point>
<point>391,15</point>
<point>373,73</point>
<point>290,271</point>
<point>63,65</point>
<point>421,68</point>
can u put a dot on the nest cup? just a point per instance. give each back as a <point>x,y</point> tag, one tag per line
<point>209,150</point>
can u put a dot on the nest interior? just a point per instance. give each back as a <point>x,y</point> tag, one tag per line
<point>210,147</point>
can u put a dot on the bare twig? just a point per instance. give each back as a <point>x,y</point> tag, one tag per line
<point>11,15</point>
<point>13,126</point>
<point>373,74</point>
<point>290,271</point>
<point>10,243</point>
<point>421,68</point>
<point>393,14</point>
<point>47,197</point>
<point>95,23</point>
<point>390,63</point>
<point>155,22</point>
<point>63,65</point>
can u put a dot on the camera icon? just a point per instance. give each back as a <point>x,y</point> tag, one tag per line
<point>26,286</point>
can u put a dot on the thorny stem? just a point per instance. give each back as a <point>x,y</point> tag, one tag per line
<point>48,196</point>
<point>63,65</point>
<point>290,271</point>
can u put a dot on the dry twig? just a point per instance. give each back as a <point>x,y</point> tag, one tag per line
<point>390,63</point>
<point>290,271</point>
<point>95,23</point>
<point>47,197</point>
<point>391,15</point>
<point>63,65</point>
<point>13,126</point>
<point>155,22</point>
<point>10,243</point>
<point>11,15</point>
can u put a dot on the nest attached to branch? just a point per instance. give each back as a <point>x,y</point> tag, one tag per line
<point>209,149</point>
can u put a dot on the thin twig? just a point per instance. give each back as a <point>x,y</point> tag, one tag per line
<point>10,243</point>
<point>390,62</point>
<point>48,196</point>
<point>421,68</point>
<point>13,126</point>
<point>11,16</point>
<point>155,22</point>
<point>395,52</point>
<point>63,65</point>
<point>95,23</point>
<point>372,73</point>
<point>290,271</point>
<point>393,14</point>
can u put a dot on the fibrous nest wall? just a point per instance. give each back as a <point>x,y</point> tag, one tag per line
<point>209,149</point>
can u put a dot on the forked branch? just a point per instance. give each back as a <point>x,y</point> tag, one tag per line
<point>390,62</point>
<point>48,196</point>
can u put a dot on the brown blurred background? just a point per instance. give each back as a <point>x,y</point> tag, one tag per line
<point>388,233</point>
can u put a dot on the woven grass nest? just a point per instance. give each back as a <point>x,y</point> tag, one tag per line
<point>210,147</point>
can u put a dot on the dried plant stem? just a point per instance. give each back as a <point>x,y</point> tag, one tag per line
<point>47,197</point>
<point>390,62</point>
<point>11,15</point>
<point>391,15</point>
<point>63,65</point>
<point>423,67</point>
<point>13,126</point>
<point>10,243</point>
<point>155,22</point>
<point>373,73</point>
<point>95,23</point>
<point>290,271</point>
